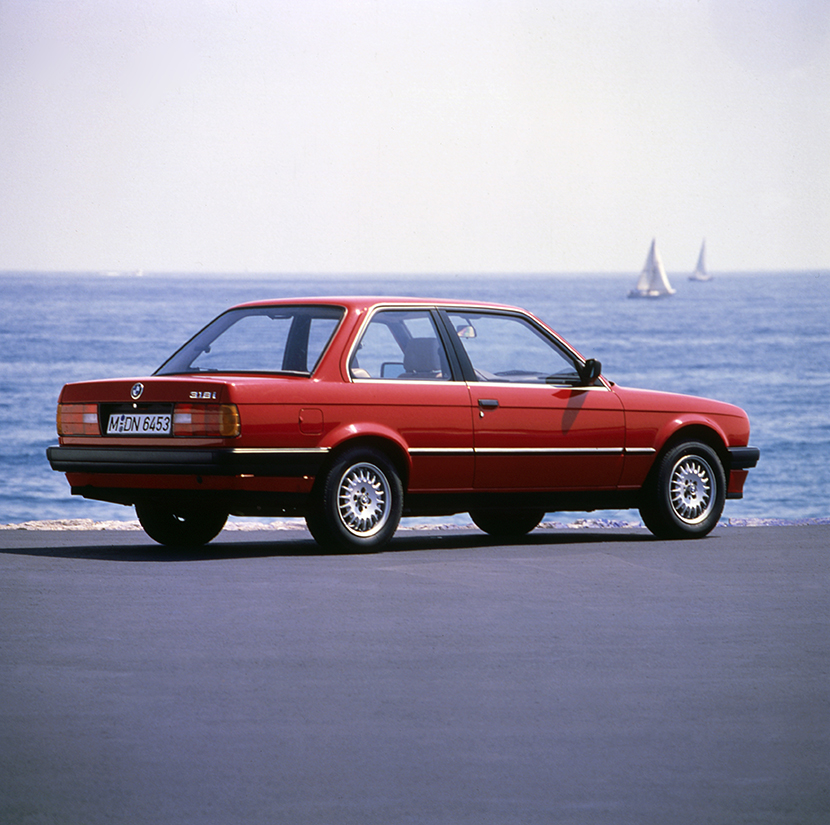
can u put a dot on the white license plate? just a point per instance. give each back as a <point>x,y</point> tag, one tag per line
<point>140,424</point>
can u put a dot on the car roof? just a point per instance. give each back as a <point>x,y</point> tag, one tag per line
<point>363,302</point>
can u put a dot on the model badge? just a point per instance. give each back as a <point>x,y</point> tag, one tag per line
<point>136,390</point>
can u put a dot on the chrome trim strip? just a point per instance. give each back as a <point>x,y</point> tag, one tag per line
<point>441,451</point>
<point>448,382</point>
<point>550,450</point>
<point>479,384</point>
<point>280,450</point>
<point>529,385</point>
<point>532,450</point>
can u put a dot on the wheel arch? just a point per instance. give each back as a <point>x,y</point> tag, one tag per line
<point>694,431</point>
<point>391,448</point>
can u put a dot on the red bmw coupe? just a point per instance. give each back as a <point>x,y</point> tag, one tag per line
<point>354,412</point>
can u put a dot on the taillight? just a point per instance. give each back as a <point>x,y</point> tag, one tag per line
<point>78,419</point>
<point>206,420</point>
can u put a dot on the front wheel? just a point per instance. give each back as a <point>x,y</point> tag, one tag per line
<point>507,523</point>
<point>686,495</point>
<point>180,525</point>
<point>358,504</point>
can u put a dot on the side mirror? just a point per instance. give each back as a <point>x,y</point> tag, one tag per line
<point>589,371</point>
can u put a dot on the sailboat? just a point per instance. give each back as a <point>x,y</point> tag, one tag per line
<point>652,282</point>
<point>700,273</point>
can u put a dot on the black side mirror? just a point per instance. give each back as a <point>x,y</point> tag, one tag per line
<point>589,371</point>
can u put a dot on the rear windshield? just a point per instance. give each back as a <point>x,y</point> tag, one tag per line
<point>283,339</point>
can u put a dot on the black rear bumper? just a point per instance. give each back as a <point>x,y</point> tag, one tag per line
<point>231,461</point>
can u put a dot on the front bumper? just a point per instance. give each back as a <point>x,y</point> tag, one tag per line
<point>743,458</point>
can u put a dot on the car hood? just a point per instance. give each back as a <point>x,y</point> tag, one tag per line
<point>636,400</point>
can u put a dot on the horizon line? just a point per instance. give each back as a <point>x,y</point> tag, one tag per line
<point>141,273</point>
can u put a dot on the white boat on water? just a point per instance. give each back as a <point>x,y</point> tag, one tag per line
<point>119,273</point>
<point>700,273</point>
<point>652,282</point>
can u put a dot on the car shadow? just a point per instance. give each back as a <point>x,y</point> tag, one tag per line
<point>300,545</point>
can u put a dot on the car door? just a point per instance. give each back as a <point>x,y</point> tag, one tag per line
<point>535,427</point>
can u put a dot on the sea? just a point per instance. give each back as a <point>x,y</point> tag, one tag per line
<point>760,340</point>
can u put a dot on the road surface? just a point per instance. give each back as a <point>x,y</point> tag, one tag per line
<point>578,676</point>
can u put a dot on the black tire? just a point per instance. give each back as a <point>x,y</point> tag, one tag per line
<point>358,503</point>
<point>685,495</point>
<point>510,523</point>
<point>180,525</point>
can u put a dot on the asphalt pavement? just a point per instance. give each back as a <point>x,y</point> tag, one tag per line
<point>577,676</point>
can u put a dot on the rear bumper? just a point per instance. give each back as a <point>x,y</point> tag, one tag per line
<point>279,462</point>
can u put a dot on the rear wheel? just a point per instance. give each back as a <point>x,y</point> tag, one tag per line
<point>686,495</point>
<point>508,523</point>
<point>359,503</point>
<point>180,525</point>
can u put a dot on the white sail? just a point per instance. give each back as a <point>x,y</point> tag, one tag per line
<point>700,273</point>
<point>644,281</point>
<point>653,281</point>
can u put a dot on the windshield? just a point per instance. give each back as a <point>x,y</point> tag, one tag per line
<point>284,339</point>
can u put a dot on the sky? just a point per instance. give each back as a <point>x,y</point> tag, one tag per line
<point>413,136</point>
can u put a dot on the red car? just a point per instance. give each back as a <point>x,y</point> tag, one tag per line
<point>354,412</point>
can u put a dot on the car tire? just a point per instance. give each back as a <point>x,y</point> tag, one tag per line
<point>358,503</point>
<point>180,526</point>
<point>510,523</point>
<point>686,493</point>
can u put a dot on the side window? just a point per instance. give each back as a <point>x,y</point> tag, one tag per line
<point>510,348</point>
<point>401,345</point>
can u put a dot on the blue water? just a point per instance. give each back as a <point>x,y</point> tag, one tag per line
<point>759,340</point>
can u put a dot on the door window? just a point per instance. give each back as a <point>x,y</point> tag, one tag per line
<point>509,348</point>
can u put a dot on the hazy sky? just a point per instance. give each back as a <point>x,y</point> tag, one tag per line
<point>413,135</point>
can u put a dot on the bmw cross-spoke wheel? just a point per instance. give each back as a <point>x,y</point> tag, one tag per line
<point>687,494</point>
<point>180,526</point>
<point>360,503</point>
<point>363,500</point>
<point>691,489</point>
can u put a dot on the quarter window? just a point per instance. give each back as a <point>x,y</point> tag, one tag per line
<point>401,345</point>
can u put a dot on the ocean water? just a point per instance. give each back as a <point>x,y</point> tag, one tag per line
<point>758,340</point>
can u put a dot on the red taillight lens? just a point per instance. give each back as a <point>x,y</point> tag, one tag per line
<point>78,419</point>
<point>206,420</point>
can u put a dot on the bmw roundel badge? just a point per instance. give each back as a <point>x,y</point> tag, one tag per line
<point>136,390</point>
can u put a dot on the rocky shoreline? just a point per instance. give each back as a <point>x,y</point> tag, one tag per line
<point>298,524</point>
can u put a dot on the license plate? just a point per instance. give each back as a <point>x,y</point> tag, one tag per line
<point>140,424</point>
